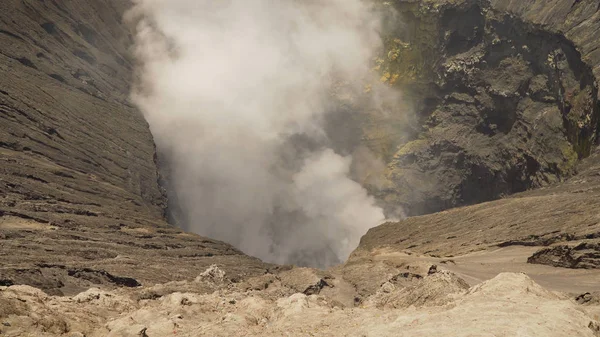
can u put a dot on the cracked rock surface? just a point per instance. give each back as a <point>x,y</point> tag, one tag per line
<point>505,95</point>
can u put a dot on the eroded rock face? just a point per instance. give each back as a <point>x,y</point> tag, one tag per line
<point>71,143</point>
<point>504,104</point>
<point>80,204</point>
<point>585,255</point>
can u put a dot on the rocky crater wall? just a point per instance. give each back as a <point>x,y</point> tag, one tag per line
<point>79,200</point>
<point>505,99</point>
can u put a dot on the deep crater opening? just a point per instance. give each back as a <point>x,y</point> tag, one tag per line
<point>490,106</point>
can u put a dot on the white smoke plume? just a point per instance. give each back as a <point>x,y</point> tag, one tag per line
<point>236,93</point>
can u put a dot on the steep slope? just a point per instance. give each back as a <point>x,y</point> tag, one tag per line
<point>532,232</point>
<point>558,213</point>
<point>505,94</point>
<point>79,199</point>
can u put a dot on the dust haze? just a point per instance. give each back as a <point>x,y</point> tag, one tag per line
<point>237,94</point>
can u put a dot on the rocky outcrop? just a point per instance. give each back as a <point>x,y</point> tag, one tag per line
<point>80,204</point>
<point>505,94</point>
<point>585,255</point>
<point>437,289</point>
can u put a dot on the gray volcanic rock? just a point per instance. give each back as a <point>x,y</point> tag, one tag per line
<point>505,93</point>
<point>562,218</point>
<point>80,202</point>
<point>585,255</point>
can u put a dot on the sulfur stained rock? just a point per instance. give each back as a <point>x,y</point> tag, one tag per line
<point>504,104</point>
